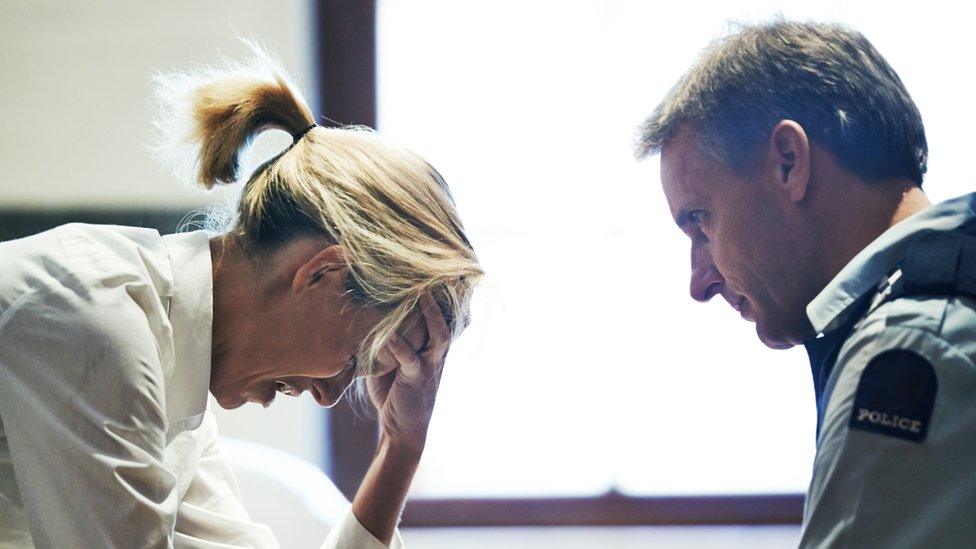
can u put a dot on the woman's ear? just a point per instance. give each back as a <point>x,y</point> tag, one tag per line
<point>789,159</point>
<point>328,266</point>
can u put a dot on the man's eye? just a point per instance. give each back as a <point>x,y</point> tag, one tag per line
<point>696,216</point>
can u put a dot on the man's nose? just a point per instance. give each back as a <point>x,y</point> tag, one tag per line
<point>706,281</point>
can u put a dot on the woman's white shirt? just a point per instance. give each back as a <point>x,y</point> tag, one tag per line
<point>105,437</point>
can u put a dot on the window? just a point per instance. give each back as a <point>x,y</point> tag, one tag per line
<point>588,370</point>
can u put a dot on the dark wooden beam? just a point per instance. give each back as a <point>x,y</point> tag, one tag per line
<point>345,39</point>
<point>346,51</point>
<point>21,222</point>
<point>608,510</point>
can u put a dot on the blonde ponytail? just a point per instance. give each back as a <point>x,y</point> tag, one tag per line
<point>207,119</point>
<point>389,209</point>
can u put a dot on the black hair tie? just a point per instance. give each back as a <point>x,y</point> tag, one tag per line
<point>302,133</point>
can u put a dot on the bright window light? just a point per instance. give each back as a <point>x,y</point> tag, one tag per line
<point>588,368</point>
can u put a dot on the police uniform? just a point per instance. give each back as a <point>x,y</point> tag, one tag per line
<point>894,369</point>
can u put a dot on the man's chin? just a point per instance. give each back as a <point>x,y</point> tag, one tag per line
<point>773,341</point>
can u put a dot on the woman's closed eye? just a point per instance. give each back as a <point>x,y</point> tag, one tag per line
<point>351,364</point>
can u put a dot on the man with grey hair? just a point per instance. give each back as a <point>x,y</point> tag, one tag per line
<point>792,156</point>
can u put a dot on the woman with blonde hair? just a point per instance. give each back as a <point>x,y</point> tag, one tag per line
<point>345,258</point>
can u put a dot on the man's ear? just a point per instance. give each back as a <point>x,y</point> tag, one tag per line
<point>328,266</point>
<point>788,159</point>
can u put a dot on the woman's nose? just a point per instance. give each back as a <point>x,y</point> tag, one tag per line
<point>706,281</point>
<point>328,392</point>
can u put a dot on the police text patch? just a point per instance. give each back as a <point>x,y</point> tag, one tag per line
<point>895,396</point>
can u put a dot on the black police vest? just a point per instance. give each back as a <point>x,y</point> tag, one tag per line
<point>939,263</point>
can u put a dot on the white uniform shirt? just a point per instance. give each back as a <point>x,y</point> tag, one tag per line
<point>105,437</point>
<point>871,489</point>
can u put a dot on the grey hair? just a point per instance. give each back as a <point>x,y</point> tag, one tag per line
<point>824,76</point>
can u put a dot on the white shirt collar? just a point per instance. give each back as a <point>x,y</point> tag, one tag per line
<point>191,316</point>
<point>878,259</point>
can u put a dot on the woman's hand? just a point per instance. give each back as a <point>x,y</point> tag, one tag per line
<point>404,399</point>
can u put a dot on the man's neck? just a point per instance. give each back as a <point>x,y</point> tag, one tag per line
<point>865,213</point>
<point>913,200</point>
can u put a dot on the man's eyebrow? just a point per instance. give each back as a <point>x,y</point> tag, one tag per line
<point>682,218</point>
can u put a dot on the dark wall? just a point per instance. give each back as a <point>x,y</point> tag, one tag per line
<point>21,223</point>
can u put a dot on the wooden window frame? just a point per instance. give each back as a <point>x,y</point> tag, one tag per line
<point>345,35</point>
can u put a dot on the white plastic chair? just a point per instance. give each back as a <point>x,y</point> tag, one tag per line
<point>292,496</point>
